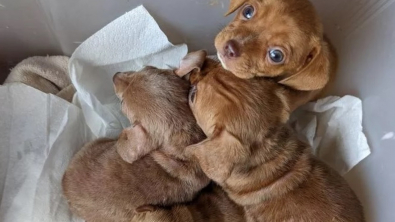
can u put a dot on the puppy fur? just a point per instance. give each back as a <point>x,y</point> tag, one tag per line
<point>108,179</point>
<point>211,205</point>
<point>291,26</point>
<point>252,154</point>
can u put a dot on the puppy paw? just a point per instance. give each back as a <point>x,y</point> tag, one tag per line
<point>146,208</point>
<point>134,143</point>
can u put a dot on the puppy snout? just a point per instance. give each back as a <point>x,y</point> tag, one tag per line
<point>232,49</point>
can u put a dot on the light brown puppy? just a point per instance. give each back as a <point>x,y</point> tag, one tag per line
<point>255,157</point>
<point>101,185</point>
<point>282,39</point>
<point>211,205</point>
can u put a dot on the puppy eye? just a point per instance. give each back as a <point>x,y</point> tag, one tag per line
<point>276,56</point>
<point>192,93</point>
<point>248,12</point>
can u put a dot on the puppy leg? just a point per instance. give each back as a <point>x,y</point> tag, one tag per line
<point>217,155</point>
<point>134,143</point>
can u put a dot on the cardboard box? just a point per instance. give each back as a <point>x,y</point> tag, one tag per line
<point>363,32</point>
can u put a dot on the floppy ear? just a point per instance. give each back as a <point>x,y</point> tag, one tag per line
<point>218,154</point>
<point>234,5</point>
<point>120,82</point>
<point>315,74</point>
<point>134,143</point>
<point>190,62</point>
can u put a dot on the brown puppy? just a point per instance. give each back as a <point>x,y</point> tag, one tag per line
<point>282,39</point>
<point>255,157</point>
<point>211,205</point>
<point>101,185</point>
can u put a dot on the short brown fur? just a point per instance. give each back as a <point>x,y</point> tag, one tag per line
<point>256,158</point>
<point>101,185</point>
<point>211,205</point>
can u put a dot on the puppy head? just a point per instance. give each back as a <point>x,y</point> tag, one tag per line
<point>234,113</point>
<point>220,101</point>
<point>276,38</point>
<point>155,102</point>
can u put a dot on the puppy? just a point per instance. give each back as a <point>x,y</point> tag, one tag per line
<point>211,205</point>
<point>255,157</point>
<point>281,39</point>
<point>108,179</point>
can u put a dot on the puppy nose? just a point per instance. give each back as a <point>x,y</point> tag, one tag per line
<point>232,49</point>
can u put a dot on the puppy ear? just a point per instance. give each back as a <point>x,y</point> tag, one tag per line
<point>133,143</point>
<point>234,5</point>
<point>120,82</point>
<point>218,154</point>
<point>191,61</point>
<point>315,74</point>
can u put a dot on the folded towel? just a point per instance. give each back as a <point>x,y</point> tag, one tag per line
<point>48,74</point>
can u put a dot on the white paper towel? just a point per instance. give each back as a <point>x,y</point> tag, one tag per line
<point>129,43</point>
<point>39,135</point>
<point>333,127</point>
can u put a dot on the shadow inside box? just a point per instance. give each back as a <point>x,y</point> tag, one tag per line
<point>5,68</point>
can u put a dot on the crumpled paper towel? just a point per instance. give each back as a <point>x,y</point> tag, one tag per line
<point>333,128</point>
<point>39,135</point>
<point>128,43</point>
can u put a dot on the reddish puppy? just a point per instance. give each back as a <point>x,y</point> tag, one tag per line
<point>252,154</point>
<point>281,39</point>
